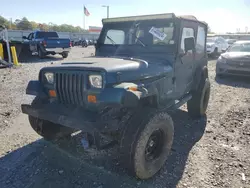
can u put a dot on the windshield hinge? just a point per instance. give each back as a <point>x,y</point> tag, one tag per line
<point>173,80</point>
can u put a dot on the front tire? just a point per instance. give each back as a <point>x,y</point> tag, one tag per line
<point>197,106</point>
<point>146,142</point>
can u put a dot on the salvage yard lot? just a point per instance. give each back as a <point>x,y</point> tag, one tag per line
<point>208,152</point>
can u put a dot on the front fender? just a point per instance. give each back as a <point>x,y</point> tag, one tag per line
<point>35,88</point>
<point>200,73</point>
<point>119,96</point>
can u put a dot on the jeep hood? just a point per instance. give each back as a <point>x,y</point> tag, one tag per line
<point>120,69</point>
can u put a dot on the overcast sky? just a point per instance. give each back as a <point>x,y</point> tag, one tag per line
<point>222,16</point>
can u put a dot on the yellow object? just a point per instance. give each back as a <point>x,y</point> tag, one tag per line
<point>92,98</point>
<point>52,93</point>
<point>14,56</point>
<point>1,51</point>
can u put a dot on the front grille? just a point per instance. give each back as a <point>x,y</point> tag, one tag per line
<point>243,64</point>
<point>70,88</point>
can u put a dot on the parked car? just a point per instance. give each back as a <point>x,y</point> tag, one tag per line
<point>72,43</point>
<point>45,43</point>
<point>91,42</point>
<point>126,92</point>
<point>236,60</point>
<point>230,41</point>
<point>216,46</point>
<point>84,43</point>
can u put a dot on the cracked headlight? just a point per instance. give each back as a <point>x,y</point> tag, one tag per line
<point>95,81</point>
<point>49,77</point>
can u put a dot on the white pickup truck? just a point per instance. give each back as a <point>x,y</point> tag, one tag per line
<point>216,46</point>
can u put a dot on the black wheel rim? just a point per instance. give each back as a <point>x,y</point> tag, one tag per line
<point>154,145</point>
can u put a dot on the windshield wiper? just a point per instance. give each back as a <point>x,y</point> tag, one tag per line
<point>137,38</point>
<point>140,41</point>
<point>108,37</point>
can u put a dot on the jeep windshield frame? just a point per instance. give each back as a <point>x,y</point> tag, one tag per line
<point>134,33</point>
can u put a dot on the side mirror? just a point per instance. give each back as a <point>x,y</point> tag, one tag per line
<point>24,37</point>
<point>189,44</point>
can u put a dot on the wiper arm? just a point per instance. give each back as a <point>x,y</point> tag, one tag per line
<point>140,41</point>
<point>113,42</point>
<point>137,38</point>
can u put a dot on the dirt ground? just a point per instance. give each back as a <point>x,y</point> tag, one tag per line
<point>210,152</point>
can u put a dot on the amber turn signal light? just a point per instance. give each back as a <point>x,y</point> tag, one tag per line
<point>133,89</point>
<point>92,98</point>
<point>52,93</point>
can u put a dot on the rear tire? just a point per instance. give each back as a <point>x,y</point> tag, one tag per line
<point>146,142</point>
<point>197,106</point>
<point>41,54</point>
<point>65,54</point>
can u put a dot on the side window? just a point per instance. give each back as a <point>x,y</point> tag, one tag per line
<point>186,33</point>
<point>115,36</point>
<point>200,42</point>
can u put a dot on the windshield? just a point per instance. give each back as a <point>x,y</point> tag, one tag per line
<point>140,33</point>
<point>240,48</point>
<point>46,35</point>
<point>210,39</point>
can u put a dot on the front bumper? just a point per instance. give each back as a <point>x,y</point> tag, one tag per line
<point>57,50</point>
<point>225,69</point>
<point>69,116</point>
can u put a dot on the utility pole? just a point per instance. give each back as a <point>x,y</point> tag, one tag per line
<point>107,10</point>
<point>10,23</point>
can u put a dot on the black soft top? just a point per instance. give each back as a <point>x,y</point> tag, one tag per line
<point>152,17</point>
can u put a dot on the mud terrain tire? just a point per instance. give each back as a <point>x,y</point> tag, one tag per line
<point>197,106</point>
<point>146,142</point>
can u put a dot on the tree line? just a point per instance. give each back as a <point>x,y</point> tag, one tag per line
<point>25,24</point>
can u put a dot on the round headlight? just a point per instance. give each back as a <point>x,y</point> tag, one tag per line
<point>95,81</point>
<point>49,77</point>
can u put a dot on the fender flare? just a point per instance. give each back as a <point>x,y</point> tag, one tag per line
<point>200,73</point>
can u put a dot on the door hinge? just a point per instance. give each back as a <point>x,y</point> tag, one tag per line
<point>173,80</point>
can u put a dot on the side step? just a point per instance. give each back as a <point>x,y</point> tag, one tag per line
<point>182,101</point>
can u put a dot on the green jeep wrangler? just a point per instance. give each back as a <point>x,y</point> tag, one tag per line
<point>145,67</point>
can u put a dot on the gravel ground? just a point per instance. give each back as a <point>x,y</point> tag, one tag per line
<point>209,152</point>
